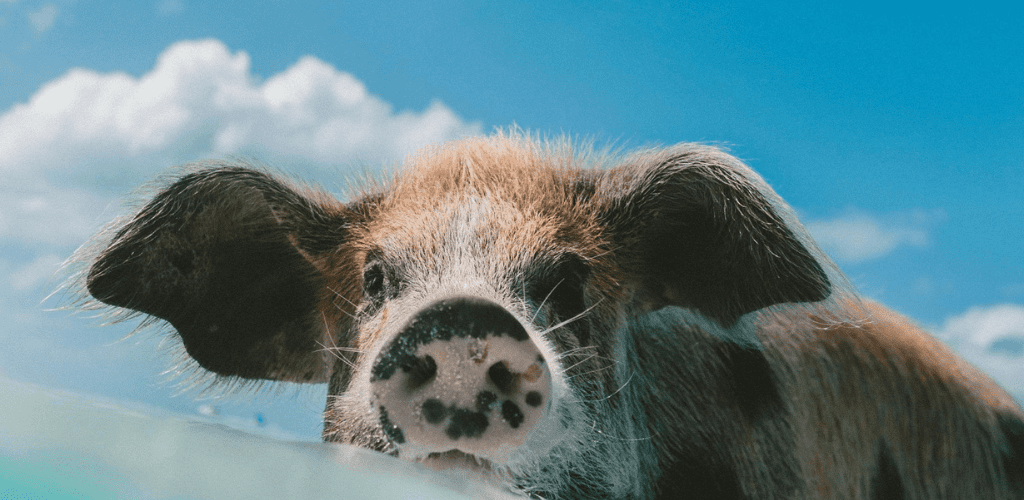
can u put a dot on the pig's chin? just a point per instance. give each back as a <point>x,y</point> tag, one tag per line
<point>456,460</point>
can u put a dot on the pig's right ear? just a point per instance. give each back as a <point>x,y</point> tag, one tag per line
<point>698,229</point>
<point>253,274</point>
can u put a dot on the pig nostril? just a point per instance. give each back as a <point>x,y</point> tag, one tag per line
<point>420,371</point>
<point>501,376</point>
<point>534,398</point>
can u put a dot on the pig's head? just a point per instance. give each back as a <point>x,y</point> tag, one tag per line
<point>472,311</point>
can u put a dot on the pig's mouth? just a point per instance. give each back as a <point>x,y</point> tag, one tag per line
<point>456,459</point>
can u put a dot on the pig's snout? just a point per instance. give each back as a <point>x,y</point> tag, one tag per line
<point>462,375</point>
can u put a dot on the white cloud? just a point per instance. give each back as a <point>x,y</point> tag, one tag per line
<point>88,134</point>
<point>991,338</point>
<point>64,217</point>
<point>42,19</point>
<point>35,273</point>
<point>857,236</point>
<point>983,327</point>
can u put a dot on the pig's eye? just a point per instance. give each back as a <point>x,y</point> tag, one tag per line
<point>561,286</point>
<point>376,281</point>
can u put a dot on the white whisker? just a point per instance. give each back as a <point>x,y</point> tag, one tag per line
<point>570,320</point>
<point>574,365</point>
<point>546,297</point>
<point>342,297</point>
<point>335,349</point>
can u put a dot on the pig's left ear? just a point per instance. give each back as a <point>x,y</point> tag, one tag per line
<point>700,230</point>
<point>253,273</point>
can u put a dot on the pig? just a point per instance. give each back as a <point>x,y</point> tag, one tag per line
<point>565,322</point>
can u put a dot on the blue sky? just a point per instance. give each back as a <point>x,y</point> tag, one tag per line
<point>896,131</point>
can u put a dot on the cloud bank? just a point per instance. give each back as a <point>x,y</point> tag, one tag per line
<point>86,137</point>
<point>85,140</point>
<point>991,338</point>
<point>858,236</point>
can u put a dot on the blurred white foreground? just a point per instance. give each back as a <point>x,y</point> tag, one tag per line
<point>59,445</point>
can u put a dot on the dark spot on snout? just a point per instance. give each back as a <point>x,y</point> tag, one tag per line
<point>466,423</point>
<point>393,431</point>
<point>434,411</point>
<point>420,370</point>
<point>534,398</point>
<point>457,317</point>
<point>466,317</point>
<point>501,376</point>
<point>512,414</point>
<point>484,400</point>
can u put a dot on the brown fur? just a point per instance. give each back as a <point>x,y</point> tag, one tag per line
<point>849,389</point>
<point>935,412</point>
<point>703,346</point>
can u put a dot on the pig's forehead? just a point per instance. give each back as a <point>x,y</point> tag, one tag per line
<point>463,226</point>
<point>498,199</point>
<point>498,170</point>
